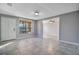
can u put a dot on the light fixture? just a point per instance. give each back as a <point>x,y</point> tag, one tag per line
<point>36,12</point>
<point>51,21</point>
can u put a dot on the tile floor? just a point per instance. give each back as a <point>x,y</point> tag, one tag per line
<point>32,46</point>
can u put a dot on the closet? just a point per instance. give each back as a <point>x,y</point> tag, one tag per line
<point>8,27</point>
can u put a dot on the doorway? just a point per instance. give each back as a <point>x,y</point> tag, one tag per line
<point>51,28</point>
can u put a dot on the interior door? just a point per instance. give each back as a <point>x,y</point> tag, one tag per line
<point>12,28</point>
<point>8,28</point>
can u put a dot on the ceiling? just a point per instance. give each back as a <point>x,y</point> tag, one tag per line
<point>26,10</point>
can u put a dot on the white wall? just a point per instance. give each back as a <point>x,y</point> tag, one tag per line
<point>51,29</point>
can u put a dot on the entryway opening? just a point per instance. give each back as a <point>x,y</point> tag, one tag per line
<point>51,28</point>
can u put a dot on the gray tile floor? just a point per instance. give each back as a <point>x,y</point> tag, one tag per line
<point>32,46</point>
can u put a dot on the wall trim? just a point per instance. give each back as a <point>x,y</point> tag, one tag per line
<point>69,42</point>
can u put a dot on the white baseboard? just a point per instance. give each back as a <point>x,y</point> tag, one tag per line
<point>69,42</point>
<point>6,44</point>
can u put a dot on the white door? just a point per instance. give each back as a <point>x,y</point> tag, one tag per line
<point>12,28</point>
<point>4,28</point>
<point>8,28</point>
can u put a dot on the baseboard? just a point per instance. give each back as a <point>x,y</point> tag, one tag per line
<point>6,44</point>
<point>69,42</point>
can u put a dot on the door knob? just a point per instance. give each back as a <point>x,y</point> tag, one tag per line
<point>13,29</point>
